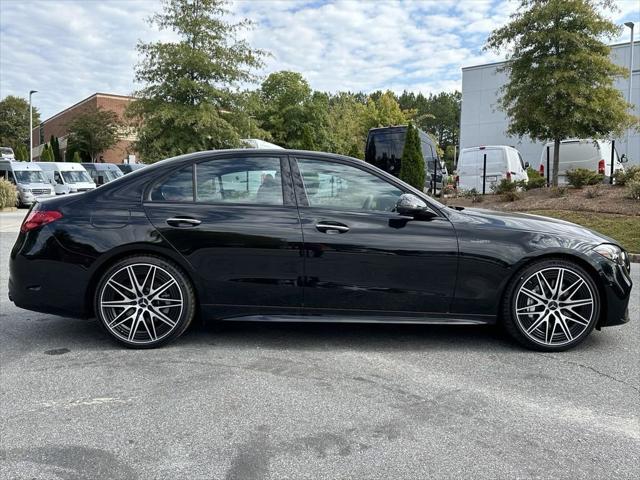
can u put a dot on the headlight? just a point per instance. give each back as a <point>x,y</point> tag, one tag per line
<point>613,253</point>
<point>25,190</point>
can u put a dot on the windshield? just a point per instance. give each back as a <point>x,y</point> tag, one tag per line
<point>110,175</point>
<point>75,176</point>
<point>29,176</point>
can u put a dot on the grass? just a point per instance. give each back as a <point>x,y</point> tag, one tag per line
<point>623,228</point>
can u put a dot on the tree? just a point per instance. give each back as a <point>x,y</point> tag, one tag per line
<point>47,154</point>
<point>346,125</point>
<point>14,121</point>
<point>55,149</point>
<point>188,100</point>
<point>560,73</point>
<point>93,132</point>
<point>412,166</point>
<point>76,157</point>
<point>294,115</point>
<point>21,152</point>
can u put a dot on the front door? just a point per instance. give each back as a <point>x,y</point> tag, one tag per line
<point>235,220</point>
<point>360,255</point>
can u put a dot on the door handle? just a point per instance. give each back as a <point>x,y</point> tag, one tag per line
<point>331,228</point>
<point>183,221</point>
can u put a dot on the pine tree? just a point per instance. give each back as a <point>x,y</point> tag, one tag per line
<point>22,153</point>
<point>412,166</point>
<point>47,154</point>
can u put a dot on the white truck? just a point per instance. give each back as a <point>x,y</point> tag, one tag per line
<point>28,179</point>
<point>503,162</point>
<point>67,177</point>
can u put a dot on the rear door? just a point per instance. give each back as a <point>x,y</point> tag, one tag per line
<point>362,257</point>
<point>235,220</point>
<point>469,170</point>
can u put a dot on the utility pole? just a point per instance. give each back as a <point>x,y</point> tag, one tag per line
<point>31,126</point>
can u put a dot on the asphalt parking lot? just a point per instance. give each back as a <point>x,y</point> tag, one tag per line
<point>251,401</point>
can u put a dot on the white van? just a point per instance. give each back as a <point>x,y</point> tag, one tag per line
<point>594,155</point>
<point>28,179</point>
<point>502,162</point>
<point>67,177</point>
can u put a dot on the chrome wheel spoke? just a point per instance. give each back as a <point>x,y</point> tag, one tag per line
<point>133,304</point>
<point>554,306</point>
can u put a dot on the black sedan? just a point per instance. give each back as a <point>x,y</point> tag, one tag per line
<point>277,235</point>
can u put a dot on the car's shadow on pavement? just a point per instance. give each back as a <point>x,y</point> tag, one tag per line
<point>53,334</point>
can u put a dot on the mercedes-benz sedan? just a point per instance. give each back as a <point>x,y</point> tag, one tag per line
<point>278,235</point>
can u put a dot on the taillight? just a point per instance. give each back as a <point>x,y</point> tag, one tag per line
<point>457,180</point>
<point>508,176</point>
<point>541,169</point>
<point>601,166</point>
<point>38,218</point>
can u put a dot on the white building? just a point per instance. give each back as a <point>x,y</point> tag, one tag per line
<point>481,122</point>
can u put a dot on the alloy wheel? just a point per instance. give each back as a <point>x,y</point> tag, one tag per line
<point>141,303</point>
<point>554,306</point>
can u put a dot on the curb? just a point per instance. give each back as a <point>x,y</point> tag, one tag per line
<point>8,209</point>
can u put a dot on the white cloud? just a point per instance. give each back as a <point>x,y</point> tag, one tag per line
<point>69,49</point>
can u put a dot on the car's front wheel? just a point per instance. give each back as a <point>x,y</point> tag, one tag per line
<point>144,301</point>
<point>552,305</point>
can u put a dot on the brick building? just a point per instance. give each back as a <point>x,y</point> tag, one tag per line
<point>57,126</point>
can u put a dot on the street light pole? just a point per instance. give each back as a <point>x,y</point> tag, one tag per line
<point>630,25</point>
<point>31,126</point>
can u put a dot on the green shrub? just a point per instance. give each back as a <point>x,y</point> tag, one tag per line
<point>471,194</point>
<point>511,196</point>
<point>8,194</point>
<point>593,191</point>
<point>535,180</point>
<point>580,177</point>
<point>557,192</point>
<point>504,186</point>
<point>633,189</point>
<point>629,174</point>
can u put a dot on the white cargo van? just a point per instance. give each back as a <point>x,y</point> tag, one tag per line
<point>502,162</point>
<point>594,155</point>
<point>67,177</point>
<point>28,179</point>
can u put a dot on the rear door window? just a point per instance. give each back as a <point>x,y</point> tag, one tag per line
<point>178,187</point>
<point>251,180</point>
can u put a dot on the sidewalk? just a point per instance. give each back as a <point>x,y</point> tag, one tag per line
<point>10,221</point>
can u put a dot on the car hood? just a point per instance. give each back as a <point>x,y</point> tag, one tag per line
<point>529,223</point>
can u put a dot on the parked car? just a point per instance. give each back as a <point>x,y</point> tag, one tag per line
<point>129,167</point>
<point>503,162</point>
<point>67,177</point>
<point>6,153</point>
<point>29,180</point>
<point>281,235</point>
<point>384,150</point>
<point>102,173</point>
<point>594,155</point>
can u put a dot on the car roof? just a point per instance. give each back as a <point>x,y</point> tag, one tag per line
<point>17,165</point>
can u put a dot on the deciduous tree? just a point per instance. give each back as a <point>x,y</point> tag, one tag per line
<point>14,121</point>
<point>560,73</point>
<point>93,132</point>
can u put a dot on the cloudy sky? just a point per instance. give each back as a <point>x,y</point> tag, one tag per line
<point>69,49</point>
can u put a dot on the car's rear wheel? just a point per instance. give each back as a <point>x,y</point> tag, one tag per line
<point>145,301</point>
<point>551,305</point>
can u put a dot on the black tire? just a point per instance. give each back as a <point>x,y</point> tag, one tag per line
<point>515,323</point>
<point>150,312</point>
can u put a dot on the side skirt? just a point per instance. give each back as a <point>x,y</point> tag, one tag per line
<point>363,319</point>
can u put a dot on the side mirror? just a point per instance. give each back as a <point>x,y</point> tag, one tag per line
<point>526,164</point>
<point>623,158</point>
<point>410,205</point>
